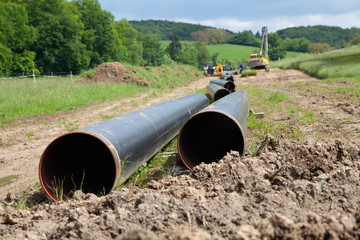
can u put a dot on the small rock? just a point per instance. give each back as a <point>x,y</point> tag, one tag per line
<point>323,177</point>
<point>79,195</point>
<point>9,220</point>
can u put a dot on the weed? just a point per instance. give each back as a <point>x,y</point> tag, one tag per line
<point>105,116</point>
<point>58,188</point>
<point>204,221</point>
<point>90,74</point>
<point>70,126</point>
<point>75,188</point>
<point>167,173</point>
<point>276,97</point>
<point>30,134</point>
<point>252,149</point>
<point>20,203</point>
<point>37,186</point>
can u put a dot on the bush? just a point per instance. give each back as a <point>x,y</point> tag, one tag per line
<point>319,47</point>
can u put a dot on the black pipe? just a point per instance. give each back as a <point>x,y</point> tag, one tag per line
<point>233,73</point>
<point>225,84</point>
<point>216,92</point>
<point>99,157</point>
<point>211,133</point>
<point>226,76</point>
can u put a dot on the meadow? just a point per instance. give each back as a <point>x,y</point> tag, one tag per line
<point>24,97</point>
<point>232,53</point>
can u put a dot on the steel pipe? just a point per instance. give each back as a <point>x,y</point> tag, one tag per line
<point>99,157</point>
<point>208,135</point>
<point>225,84</point>
<point>233,73</point>
<point>226,76</point>
<point>216,92</point>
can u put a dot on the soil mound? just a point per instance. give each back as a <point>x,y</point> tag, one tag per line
<point>288,191</point>
<point>113,72</point>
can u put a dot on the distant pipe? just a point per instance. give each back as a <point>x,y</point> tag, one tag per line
<point>101,156</point>
<point>225,84</point>
<point>232,73</point>
<point>211,133</point>
<point>226,76</point>
<point>216,92</point>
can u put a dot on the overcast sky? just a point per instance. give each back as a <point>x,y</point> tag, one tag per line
<point>239,15</point>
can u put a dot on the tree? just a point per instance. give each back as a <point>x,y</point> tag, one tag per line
<point>188,55</point>
<point>126,33</point>
<point>98,35</point>
<point>135,54</point>
<point>319,47</point>
<point>153,54</point>
<point>16,35</point>
<point>202,54</point>
<point>174,47</point>
<point>5,60</point>
<point>276,46</point>
<point>245,38</point>
<point>210,35</point>
<point>59,30</point>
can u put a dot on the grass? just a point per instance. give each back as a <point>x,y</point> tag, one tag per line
<point>334,66</point>
<point>23,97</point>
<point>236,54</point>
<point>145,173</point>
<point>248,73</point>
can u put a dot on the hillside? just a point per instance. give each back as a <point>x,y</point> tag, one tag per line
<point>334,36</point>
<point>166,29</point>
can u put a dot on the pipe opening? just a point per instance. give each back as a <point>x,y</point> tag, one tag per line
<point>230,86</point>
<point>207,137</point>
<point>220,94</point>
<point>77,161</point>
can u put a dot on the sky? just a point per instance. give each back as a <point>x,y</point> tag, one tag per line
<point>240,15</point>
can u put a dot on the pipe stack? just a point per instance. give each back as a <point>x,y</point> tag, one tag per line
<point>99,157</point>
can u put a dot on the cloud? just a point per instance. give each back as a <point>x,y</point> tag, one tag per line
<point>344,20</point>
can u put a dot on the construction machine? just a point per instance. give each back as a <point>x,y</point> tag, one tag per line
<point>219,69</point>
<point>260,61</point>
<point>209,69</point>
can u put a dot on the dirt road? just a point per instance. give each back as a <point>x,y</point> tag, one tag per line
<point>296,189</point>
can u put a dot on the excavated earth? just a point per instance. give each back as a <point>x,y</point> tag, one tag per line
<point>288,189</point>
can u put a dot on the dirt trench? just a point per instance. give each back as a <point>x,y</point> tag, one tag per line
<point>290,190</point>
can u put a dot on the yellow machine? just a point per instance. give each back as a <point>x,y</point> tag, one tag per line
<point>219,69</point>
<point>258,61</point>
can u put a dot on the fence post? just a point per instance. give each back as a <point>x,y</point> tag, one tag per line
<point>71,75</point>
<point>34,76</point>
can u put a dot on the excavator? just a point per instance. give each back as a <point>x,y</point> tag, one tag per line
<point>260,61</point>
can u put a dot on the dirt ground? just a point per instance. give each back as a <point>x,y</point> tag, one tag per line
<point>290,190</point>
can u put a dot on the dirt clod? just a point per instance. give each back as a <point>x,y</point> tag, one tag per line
<point>114,72</point>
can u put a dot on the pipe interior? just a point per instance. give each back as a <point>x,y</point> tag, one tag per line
<point>220,93</point>
<point>77,160</point>
<point>230,86</point>
<point>207,137</point>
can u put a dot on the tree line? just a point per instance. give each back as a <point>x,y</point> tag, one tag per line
<point>76,35</point>
<point>298,39</point>
<point>57,36</point>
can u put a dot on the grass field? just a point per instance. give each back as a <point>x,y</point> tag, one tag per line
<point>234,53</point>
<point>23,97</point>
<point>333,66</point>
